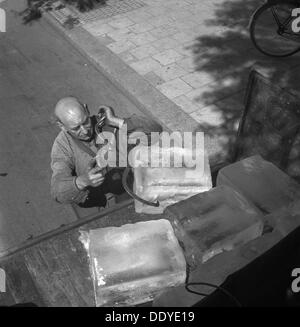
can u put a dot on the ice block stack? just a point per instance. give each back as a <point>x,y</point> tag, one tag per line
<point>131,264</point>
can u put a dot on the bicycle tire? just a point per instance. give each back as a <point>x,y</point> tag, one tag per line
<point>258,16</point>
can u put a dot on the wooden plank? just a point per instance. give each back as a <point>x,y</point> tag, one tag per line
<point>20,287</point>
<point>33,241</point>
<point>57,269</point>
<point>60,269</point>
<point>58,265</point>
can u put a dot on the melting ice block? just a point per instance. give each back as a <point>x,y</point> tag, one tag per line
<point>214,221</point>
<point>157,178</point>
<point>133,263</point>
<point>261,182</point>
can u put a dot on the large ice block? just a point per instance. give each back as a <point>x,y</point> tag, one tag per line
<point>261,182</point>
<point>171,184</point>
<point>133,263</point>
<point>211,222</point>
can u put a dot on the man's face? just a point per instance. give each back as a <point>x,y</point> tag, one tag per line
<point>79,125</point>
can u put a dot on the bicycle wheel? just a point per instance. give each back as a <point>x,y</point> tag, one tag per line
<point>271,29</point>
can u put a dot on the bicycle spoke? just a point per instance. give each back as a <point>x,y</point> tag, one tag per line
<point>288,19</point>
<point>273,10</point>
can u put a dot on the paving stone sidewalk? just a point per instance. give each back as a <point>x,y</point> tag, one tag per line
<point>198,54</point>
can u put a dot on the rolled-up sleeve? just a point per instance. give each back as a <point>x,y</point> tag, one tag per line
<point>63,186</point>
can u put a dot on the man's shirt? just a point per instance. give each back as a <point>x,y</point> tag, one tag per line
<point>68,161</point>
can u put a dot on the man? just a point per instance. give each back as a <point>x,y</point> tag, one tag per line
<point>76,178</point>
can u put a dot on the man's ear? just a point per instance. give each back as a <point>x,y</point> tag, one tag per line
<point>55,121</point>
<point>60,125</point>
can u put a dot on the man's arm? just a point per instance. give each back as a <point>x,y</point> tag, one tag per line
<point>110,117</point>
<point>63,184</point>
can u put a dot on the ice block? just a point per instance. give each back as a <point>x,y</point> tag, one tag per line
<point>133,263</point>
<point>214,221</point>
<point>261,182</point>
<point>171,184</point>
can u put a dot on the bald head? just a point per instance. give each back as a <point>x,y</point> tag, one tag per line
<point>74,117</point>
<point>69,111</point>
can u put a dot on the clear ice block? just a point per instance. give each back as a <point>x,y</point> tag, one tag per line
<point>261,182</point>
<point>214,221</point>
<point>168,185</point>
<point>133,263</point>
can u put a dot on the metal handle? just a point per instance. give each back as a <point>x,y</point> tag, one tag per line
<point>133,195</point>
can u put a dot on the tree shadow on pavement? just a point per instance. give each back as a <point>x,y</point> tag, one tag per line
<point>227,55</point>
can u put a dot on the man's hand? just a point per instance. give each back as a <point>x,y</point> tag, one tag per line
<point>111,119</point>
<point>93,177</point>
